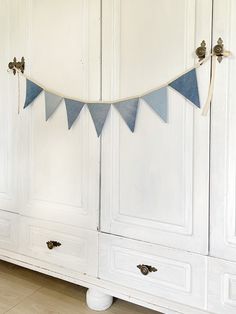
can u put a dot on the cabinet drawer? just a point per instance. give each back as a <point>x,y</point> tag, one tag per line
<point>221,286</point>
<point>8,230</point>
<point>77,252</point>
<point>179,275</point>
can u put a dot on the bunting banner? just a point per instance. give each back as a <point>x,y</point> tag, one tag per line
<point>157,100</point>
<point>128,111</point>
<point>99,114</point>
<point>52,101</point>
<point>32,92</point>
<point>73,109</point>
<point>185,84</point>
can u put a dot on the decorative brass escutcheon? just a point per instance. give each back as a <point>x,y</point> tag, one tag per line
<point>201,51</point>
<point>219,49</point>
<point>17,65</point>
<point>146,269</point>
<point>51,244</point>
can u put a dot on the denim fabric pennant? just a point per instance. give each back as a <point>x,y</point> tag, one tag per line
<point>128,111</point>
<point>32,91</point>
<point>99,114</point>
<point>73,108</point>
<point>187,86</point>
<point>52,101</point>
<point>157,100</point>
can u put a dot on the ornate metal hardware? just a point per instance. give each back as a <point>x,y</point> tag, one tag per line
<point>145,269</point>
<point>219,49</point>
<point>17,65</point>
<point>51,244</point>
<point>201,51</point>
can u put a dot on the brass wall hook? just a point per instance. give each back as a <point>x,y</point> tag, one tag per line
<point>218,49</point>
<point>17,65</point>
<point>201,51</point>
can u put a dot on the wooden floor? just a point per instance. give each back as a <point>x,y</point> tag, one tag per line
<point>23,291</point>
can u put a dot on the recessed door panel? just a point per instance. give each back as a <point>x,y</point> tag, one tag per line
<point>60,167</point>
<point>155,180</point>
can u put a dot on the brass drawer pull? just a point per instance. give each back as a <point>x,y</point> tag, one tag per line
<point>145,269</point>
<point>52,244</point>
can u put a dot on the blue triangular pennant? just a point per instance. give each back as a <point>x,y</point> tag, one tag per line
<point>157,100</point>
<point>32,91</point>
<point>128,111</point>
<point>73,108</point>
<point>52,101</point>
<point>187,86</point>
<point>99,114</point>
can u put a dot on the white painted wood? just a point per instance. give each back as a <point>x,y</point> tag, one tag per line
<point>223,153</point>
<point>111,288</point>
<point>9,230</point>
<point>221,286</point>
<point>9,120</point>
<point>97,300</point>
<point>155,181</point>
<point>180,276</point>
<point>59,177</point>
<point>78,250</point>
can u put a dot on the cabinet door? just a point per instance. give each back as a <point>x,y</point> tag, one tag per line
<point>223,152</point>
<point>155,181</point>
<point>9,119</point>
<point>59,169</point>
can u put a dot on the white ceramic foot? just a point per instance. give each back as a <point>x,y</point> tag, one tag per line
<point>97,300</point>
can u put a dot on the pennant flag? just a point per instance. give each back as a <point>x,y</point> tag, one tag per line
<point>99,114</point>
<point>73,108</point>
<point>187,86</point>
<point>52,101</point>
<point>128,111</point>
<point>157,100</point>
<point>32,91</point>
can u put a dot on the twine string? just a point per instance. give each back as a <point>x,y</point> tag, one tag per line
<point>206,107</point>
<point>197,65</point>
<point>18,87</point>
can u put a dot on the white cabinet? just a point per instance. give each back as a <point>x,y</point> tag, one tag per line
<point>155,181</point>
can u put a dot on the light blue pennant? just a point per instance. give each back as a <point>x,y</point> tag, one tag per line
<point>157,100</point>
<point>187,86</point>
<point>73,108</point>
<point>128,111</point>
<point>99,114</point>
<point>32,91</point>
<point>52,101</point>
